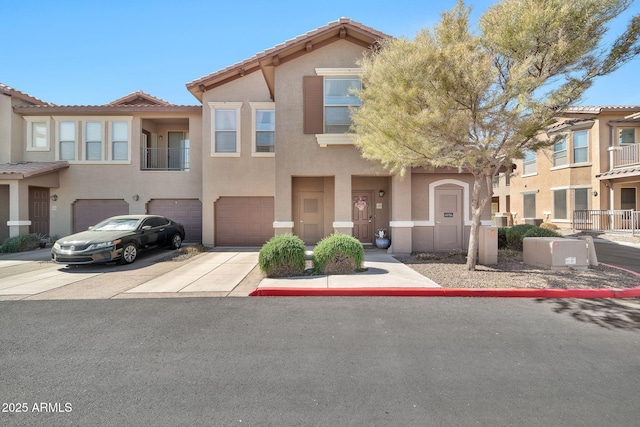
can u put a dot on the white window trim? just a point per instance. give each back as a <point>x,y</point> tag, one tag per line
<point>338,72</point>
<point>330,139</point>
<point>225,106</point>
<point>38,119</point>
<point>254,107</point>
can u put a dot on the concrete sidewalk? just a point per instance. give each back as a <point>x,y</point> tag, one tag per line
<point>383,271</point>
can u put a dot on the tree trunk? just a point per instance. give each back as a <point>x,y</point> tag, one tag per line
<point>477,207</point>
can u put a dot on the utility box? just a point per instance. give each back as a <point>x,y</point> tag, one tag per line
<point>488,245</point>
<point>555,253</point>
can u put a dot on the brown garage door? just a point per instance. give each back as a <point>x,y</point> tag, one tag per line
<point>88,212</point>
<point>188,212</point>
<point>243,221</point>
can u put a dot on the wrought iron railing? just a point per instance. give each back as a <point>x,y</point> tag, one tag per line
<point>165,159</point>
<point>627,221</point>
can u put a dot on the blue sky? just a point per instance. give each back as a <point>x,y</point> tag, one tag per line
<point>86,52</point>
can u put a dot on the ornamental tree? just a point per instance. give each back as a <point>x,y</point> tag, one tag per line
<point>475,100</point>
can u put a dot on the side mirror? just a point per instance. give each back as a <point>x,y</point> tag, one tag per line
<point>90,227</point>
<point>146,228</point>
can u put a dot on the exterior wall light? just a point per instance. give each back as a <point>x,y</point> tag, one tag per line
<point>381,193</point>
<point>135,197</point>
<point>595,193</point>
<point>54,197</point>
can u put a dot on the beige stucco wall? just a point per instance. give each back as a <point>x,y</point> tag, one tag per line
<point>568,176</point>
<point>122,181</point>
<point>234,176</point>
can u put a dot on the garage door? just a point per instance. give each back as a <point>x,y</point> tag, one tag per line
<point>88,212</point>
<point>243,221</point>
<point>188,212</point>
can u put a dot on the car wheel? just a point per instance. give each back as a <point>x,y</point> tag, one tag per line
<point>129,253</point>
<point>176,241</point>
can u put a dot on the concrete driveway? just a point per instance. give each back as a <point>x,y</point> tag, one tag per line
<point>33,276</point>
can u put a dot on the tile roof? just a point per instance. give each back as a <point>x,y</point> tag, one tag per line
<point>342,28</point>
<point>23,170</point>
<point>139,98</point>
<point>8,90</point>
<point>600,109</point>
<point>619,173</point>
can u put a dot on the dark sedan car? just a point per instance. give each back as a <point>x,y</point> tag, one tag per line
<point>118,238</point>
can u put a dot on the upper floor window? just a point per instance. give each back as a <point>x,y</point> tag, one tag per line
<point>263,135</point>
<point>93,141</point>
<point>581,146</point>
<point>627,136</point>
<point>67,140</point>
<point>560,152</point>
<point>120,140</point>
<point>37,133</point>
<point>529,163</point>
<point>225,128</point>
<point>339,97</point>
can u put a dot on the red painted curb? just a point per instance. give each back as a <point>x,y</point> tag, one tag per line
<point>447,292</point>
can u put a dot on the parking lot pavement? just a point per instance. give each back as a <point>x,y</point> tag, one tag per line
<point>32,276</point>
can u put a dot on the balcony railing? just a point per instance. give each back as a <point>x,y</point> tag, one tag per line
<point>165,159</point>
<point>626,221</point>
<point>626,155</point>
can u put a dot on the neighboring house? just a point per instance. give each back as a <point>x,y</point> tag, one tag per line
<point>63,168</point>
<point>595,166</point>
<point>278,156</point>
<point>268,152</point>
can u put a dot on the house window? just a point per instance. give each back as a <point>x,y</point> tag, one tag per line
<point>93,137</point>
<point>581,199</point>
<point>37,134</point>
<point>560,152</point>
<point>529,163</point>
<point>580,147</point>
<point>529,205</point>
<point>560,204</point>
<point>263,137</point>
<point>339,97</point>
<point>67,136</point>
<point>120,140</point>
<point>226,128</point>
<point>627,136</point>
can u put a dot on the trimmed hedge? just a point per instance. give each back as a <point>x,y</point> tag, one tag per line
<point>515,235</point>
<point>282,256</point>
<point>502,237</point>
<point>338,254</point>
<point>22,243</point>
<point>541,232</point>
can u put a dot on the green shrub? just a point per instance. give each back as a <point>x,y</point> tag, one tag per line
<point>541,232</point>
<point>282,256</point>
<point>502,237</point>
<point>22,243</point>
<point>549,226</point>
<point>515,235</point>
<point>338,254</point>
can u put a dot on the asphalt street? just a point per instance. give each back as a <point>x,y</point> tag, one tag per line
<point>320,361</point>
<point>624,256</point>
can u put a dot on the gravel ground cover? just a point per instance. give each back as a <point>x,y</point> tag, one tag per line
<point>449,271</point>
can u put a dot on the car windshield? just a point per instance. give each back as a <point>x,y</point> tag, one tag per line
<point>117,224</point>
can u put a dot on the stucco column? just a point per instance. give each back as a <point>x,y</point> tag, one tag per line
<point>18,209</point>
<point>283,206</point>
<point>343,210</point>
<point>401,222</point>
